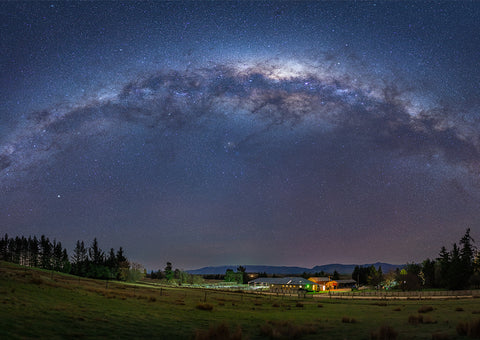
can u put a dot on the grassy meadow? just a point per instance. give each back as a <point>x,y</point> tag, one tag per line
<point>36,303</point>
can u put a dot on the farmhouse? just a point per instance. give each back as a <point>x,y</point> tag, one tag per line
<point>294,284</point>
<point>325,283</point>
<point>283,284</point>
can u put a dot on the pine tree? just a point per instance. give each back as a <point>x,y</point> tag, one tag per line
<point>66,265</point>
<point>168,271</point>
<point>57,256</point>
<point>46,253</point>
<point>123,265</point>
<point>428,269</point>
<point>4,247</point>
<point>467,254</point>
<point>96,254</point>
<point>111,263</point>
<point>444,261</point>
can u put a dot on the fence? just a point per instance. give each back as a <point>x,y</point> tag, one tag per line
<point>448,294</point>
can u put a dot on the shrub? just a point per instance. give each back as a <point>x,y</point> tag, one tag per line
<point>428,320</point>
<point>152,299</point>
<point>275,305</point>
<point>474,329</point>
<point>346,319</point>
<point>462,328</point>
<point>459,309</point>
<point>425,309</point>
<point>286,330</point>
<point>299,304</point>
<point>219,332</point>
<point>384,333</point>
<point>440,336</point>
<point>204,306</point>
<point>37,280</point>
<point>415,320</point>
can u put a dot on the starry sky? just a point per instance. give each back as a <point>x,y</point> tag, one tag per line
<point>279,133</point>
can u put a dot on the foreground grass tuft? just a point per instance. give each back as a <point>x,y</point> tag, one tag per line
<point>422,319</point>
<point>219,332</point>
<point>469,328</point>
<point>205,306</point>
<point>347,319</point>
<point>440,336</point>
<point>425,309</point>
<point>286,330</point>
<point>384,333</point>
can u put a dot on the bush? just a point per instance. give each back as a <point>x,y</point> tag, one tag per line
<point>286,330</point>
<point>425,309</point>
<point>275,305</point>
<point>346,319</point>
<point>415,320</point>
<point>299,304</point>
<point>204,306</point>
<point>472,328</point>
<point>428,320</point>
<point>219,332</point>
<point>440,336</point>
<point>462,328</point>
<point>459,309</point>
<point>37,280</point>
<point>384,333</point>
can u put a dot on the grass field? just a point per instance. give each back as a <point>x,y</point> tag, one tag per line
<point>35,303</point>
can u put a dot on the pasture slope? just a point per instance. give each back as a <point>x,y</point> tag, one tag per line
<point>42,304</point>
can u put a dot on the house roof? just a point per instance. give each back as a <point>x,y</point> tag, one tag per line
<point>283,281</point>
<point>320,279</point>
<point>346,281</point>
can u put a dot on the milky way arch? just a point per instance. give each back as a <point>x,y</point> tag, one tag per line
<point>268,94</point>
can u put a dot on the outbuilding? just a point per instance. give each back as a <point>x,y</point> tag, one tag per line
<point>284,284</point>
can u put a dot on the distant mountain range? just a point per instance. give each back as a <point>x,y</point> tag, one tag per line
<point>284,270</point>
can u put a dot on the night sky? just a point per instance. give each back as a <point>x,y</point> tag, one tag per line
<point>279,133</point>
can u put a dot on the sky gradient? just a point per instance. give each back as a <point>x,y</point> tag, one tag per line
<point>279,133</point>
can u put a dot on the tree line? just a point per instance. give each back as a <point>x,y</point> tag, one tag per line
<point>175,276</point>
<point>458,268</point>
<point>34,252</point>
<point>90,261</point>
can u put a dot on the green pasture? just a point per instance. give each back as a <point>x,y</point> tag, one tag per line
<point>41,304</point>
